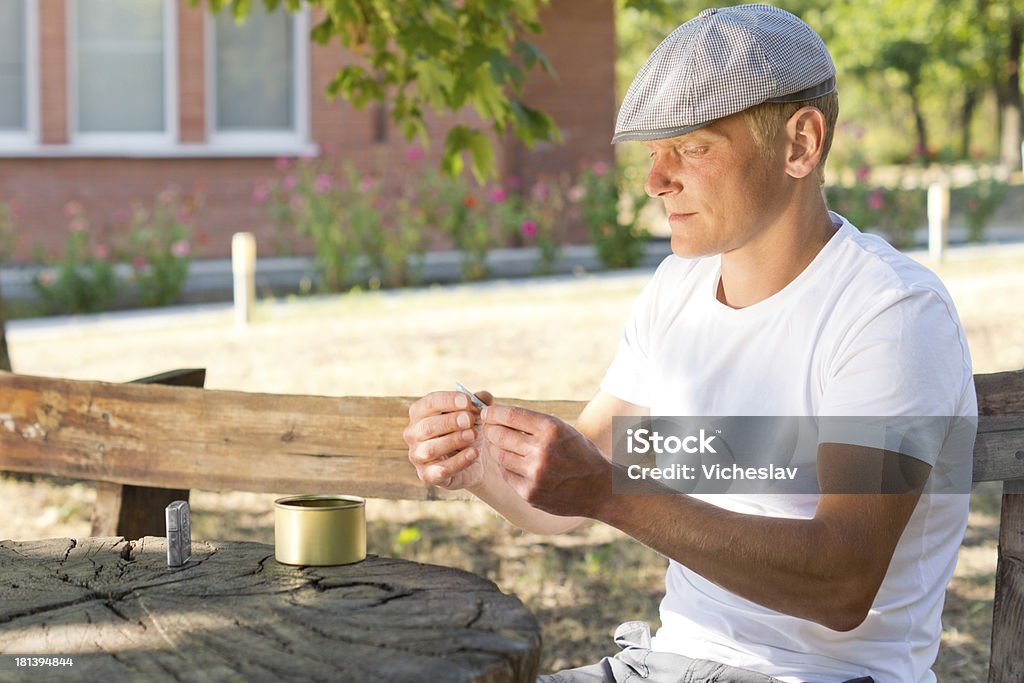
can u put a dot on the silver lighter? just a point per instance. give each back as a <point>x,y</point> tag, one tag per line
<point>179,533</point>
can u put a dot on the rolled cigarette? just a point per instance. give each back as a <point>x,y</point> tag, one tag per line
<point>472,397</point>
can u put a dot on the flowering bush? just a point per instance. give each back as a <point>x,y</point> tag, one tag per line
<point>980,201</point>
<point>341,212</point>
<point>619,240</point>
<point>307,201</point>
<point>544,216</point>
<point>158,246</point>
<point>83,279</point>
<point>896,210</point>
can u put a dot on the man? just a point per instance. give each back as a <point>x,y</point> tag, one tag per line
<point>770,305</point>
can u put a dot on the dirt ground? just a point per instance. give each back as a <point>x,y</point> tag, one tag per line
<point>539,339</point>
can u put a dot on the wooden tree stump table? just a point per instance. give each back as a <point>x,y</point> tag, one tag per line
<point>234,613</point>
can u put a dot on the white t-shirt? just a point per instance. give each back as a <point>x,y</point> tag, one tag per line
<point>862,331</point>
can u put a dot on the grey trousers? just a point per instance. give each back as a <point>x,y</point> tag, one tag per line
<point>636,662</point>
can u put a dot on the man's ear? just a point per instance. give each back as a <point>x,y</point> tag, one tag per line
<point>805,140</point>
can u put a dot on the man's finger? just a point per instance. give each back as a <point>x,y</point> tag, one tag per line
<point>514,417</point>
<point>442,473</point>
<point>433,426</point>
<point>512,462</point>
<point>441,447</point>
<point>436,403</point>
<point>511,440</point>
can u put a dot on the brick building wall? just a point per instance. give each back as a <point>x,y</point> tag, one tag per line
<point>578,39</point>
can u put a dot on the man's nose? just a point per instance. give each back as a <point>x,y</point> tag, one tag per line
<point>660,181</point>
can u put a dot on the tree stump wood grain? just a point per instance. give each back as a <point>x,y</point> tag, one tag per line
<point>234,613</point>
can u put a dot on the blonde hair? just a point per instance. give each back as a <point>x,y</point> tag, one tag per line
<point>765,120</point>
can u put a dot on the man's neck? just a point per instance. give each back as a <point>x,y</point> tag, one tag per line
<point>766,265</point>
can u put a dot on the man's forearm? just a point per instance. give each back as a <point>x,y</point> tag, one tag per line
<point>802,567</point>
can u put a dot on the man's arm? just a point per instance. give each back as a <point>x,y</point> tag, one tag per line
<point>443,456</point>
<point>826,569</point>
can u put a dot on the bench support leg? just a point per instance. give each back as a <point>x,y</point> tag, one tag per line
<point>132,511</point>
<point>1006,664</point>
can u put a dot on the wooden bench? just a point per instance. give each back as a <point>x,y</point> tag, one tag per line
<point>134,439</point>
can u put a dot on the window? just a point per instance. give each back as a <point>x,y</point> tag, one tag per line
<point>122,71</point>
<point>17,71</point>
<point>257,78</point>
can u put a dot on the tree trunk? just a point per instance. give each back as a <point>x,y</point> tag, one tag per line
<point>921,153</point>
<point>966,116</point>
<point>1011,115</point>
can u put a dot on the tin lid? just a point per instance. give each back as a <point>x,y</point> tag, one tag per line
<point>320,502</point>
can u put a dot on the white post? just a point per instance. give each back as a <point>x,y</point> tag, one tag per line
<point>243,268</point>
<point>938,220</point>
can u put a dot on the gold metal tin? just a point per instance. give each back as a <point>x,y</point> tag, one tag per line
<point>319,530</point>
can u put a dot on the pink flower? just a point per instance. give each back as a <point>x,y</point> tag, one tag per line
<point>863,172</point>
<point>366,184</point>
<point>166,197</point>
<point>77,224</point>
<point>181,249</point>
<point>139,263</point>
<point>513,182</point>
<point>600,168</point>
<point>260,194</point>
<point>283,163</point>
<point>414,154</point>
<point>322,183</point>
<point>45,278</point>
<point>297,203</point>
<point>101,252</point>
<point>183,216</point>
<point>289,182</point>
<point>877,200</point>
<point>497,196</point>
<point>528,228</point>
<point>540,191</point>
<point>577,193</point>
<point>72,208</point>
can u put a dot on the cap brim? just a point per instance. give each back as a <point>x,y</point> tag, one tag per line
<point>660,134</point>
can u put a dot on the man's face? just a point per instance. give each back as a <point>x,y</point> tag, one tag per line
<point>718,189</point>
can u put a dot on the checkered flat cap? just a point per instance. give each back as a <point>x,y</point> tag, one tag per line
<point>721,62</point>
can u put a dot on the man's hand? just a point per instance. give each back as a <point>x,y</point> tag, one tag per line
<point>443,427</point>
<point>548,463</point>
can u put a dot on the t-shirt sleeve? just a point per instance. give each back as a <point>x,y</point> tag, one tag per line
<point>901,379</point>
<point>628,376</point>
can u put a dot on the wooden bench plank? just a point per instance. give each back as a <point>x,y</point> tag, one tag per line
<point>174,437</point>
<point>178,437</point>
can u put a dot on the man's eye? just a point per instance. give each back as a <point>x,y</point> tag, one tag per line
<point>695,151</point>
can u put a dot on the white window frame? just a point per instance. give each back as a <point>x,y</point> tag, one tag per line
<point>255,141</point>
<point>127,141</point>
<point>29,136</point>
